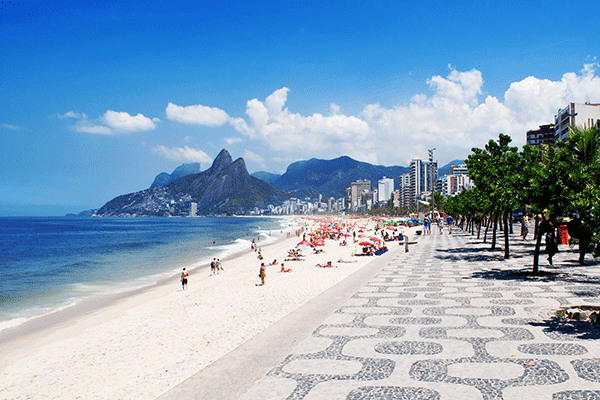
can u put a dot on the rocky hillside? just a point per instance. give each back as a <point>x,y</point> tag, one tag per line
<point>225,188</point>
<point>331,177</point>
<point>179,172</point>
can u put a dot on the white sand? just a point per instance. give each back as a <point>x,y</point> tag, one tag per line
<point>145,344</point>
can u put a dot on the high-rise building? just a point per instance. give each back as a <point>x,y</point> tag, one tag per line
<point>575,114</point>
<point>358,188</point>
<point>405,195</point>
<point>423,177</point>
<point>385,188</point>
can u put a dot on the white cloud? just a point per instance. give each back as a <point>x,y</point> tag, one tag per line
<point>14,127</point>
<point>123,122</point>
<point>183,154</point>
<point>233,140</point>
<point>454,117</point>
<point>69,114</point>
<point>253,157</point>
<point>286,131</point>
<point>197,114</point>
<point>88,127</point>
<point>111,123</point>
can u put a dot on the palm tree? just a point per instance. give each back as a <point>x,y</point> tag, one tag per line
<point>438,199</point>
<point>586,143</point>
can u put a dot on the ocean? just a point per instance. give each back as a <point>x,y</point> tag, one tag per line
<point>50,263</point>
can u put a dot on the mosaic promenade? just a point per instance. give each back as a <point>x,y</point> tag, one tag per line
<point>451,319</point>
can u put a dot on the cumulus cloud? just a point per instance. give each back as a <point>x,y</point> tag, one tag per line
<point>197,114</point>
<point>183,154</point>
<point>453,117</point>
<point>111,123</point>
<point>123,122</point>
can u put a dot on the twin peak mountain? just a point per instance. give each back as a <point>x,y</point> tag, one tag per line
<point>227,187</point>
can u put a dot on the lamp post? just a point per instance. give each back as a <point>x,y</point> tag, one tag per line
<point>430,151</point>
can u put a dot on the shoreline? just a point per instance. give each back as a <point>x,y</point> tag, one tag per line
<point>122,290</point>
<point>141,345</point>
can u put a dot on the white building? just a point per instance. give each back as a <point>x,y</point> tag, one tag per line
<point>575,114</point>
<point>193,209</point>
<point>385,188</point>
<point>423,176</point>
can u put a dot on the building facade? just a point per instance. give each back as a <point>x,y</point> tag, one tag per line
<point>423,177</point>
<point>385,188</point>
<point>575,114</point>
<point>545,135</point>
<point>357,190</point>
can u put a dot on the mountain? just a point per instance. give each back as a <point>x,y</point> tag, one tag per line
<point>266,176</point>
<point>225,188</point>
<point>181,171</point>
<point>331,177</point>
<point>445,170</point>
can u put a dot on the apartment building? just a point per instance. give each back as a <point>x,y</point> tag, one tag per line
<point>575,114</point>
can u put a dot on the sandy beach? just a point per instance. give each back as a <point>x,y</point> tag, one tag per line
<point>144,344</point>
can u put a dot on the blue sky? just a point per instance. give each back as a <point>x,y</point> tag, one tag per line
<point>98,98</point>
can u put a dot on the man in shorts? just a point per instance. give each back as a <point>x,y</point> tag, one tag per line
<point>184,279</point>
<point>213,266</point>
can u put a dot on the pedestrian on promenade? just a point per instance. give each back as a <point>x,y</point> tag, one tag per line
<point>525,227</point>
<point>551,246</point>
<point>449,220</point>
<point>441,224</point>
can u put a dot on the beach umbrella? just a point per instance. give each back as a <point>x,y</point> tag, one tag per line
<point>375,239</point>
<point>302,247</point>
<point>365,243</point>
<point>311,234</point>
<point>319,243</point>
<point>346,234</point>
<point>303,243</point>
<point>391,228</point>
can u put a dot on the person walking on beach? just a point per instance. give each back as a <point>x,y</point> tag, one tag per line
<point>262,274</point>
<point>219,266</point>
<point>213,266</point>
<point>184,279</point>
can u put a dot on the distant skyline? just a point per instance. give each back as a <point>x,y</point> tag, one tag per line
<point>98,98</point>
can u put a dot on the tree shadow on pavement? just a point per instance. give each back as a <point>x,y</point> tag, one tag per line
<point>517,275</point>
<point>565,329</point>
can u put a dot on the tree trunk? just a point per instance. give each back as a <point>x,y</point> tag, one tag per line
<point>494,233</point>
<point>536,253</point>
<point>506,248</point>
<point>479,229</point>
<point>487,228</point>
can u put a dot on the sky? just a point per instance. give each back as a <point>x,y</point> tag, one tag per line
<point>98,98</point>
